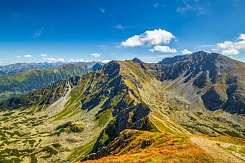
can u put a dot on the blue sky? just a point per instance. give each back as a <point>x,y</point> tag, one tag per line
<point>87,30</point>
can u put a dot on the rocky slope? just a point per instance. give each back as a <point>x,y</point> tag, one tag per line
<point>175,104</point>
<point>217,80</point>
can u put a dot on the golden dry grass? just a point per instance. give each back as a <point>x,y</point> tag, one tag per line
<point>162,148</point>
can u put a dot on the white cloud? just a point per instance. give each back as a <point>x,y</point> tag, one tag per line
<point>231,51</point>
<point>51,59</point>
<point>77,60</point>
<point>27,56</point>
<point>18,56</point>
<point>186,52</point>
<point>205,46</point>
<point>104,61</point>
<point>133,41</point>
<point>232,48</point>
<point>164,49</point>
<point>242,36</point>
<point>154,37</point>
<point>43,55</point>
<point>95,55</point>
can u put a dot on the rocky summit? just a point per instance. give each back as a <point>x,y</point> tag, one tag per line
<point>183,109</point>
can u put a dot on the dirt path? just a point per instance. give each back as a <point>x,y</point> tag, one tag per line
<point>216,150</point>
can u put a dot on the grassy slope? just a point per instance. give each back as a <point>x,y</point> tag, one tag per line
<point>172,147</point>
<point>144,146</point>
<point>59,131</point>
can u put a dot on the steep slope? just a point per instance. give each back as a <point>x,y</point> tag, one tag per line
<point>170,111</point>
<point>144,146</point>
<point>216,81</point>
<point>175,110</point>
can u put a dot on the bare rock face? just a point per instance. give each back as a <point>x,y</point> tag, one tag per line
<point>220,80</point>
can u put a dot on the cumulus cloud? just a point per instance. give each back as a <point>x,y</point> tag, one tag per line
<point>104,61</point>
<point>232,48</point>
<point>18,56</point>
<point>150,38</point>
<point>133,41</point>
<point>186,52</point>
<point>27,56</point>
<point>95,55</point>
<point>231,51</point>
<point>242,36</point>
<point>164,49</point>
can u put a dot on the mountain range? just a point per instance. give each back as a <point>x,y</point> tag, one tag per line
<point>183,109</point>
<point>22,78</point>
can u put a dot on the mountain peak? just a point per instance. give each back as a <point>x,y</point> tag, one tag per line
<point>200,55</point>
<point>137,60</point>
<point>96,66</point>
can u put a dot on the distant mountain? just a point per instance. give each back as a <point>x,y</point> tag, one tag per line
<point>41,97</point>
<point>19,79</point>
<point>88,64</point>
<point>21,83</point>
<point>24,67</point>
<point>179,109</point>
